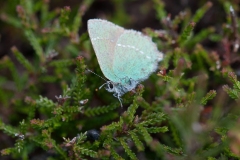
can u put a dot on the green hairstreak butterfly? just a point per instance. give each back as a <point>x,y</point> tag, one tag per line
<point>126,57</point>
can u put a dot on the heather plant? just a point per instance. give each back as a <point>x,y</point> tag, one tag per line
<point>51,107</point>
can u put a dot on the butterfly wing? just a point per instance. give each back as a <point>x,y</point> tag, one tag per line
<point>104,35</point>
<point>136,56</point>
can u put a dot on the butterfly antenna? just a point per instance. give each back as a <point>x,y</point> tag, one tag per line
<point>103,85</point>
<point>96,74</point>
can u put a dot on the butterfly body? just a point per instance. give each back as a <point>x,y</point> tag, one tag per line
<point>119,89</point>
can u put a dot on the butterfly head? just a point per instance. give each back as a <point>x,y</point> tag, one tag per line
<point>120,89</point>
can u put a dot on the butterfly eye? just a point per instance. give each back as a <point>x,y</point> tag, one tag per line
<point>110,86</point>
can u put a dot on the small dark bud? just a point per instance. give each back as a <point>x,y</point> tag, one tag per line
<point>67,8</point>
<point>93,135</point>
<point>80,58</point>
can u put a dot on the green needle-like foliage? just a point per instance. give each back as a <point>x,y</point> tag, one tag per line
<point>51,106</point>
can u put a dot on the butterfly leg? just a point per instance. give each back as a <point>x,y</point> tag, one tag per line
<point>118,97</point>
<point>120,100</point>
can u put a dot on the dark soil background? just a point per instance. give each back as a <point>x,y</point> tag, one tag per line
<point>102,8</point>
